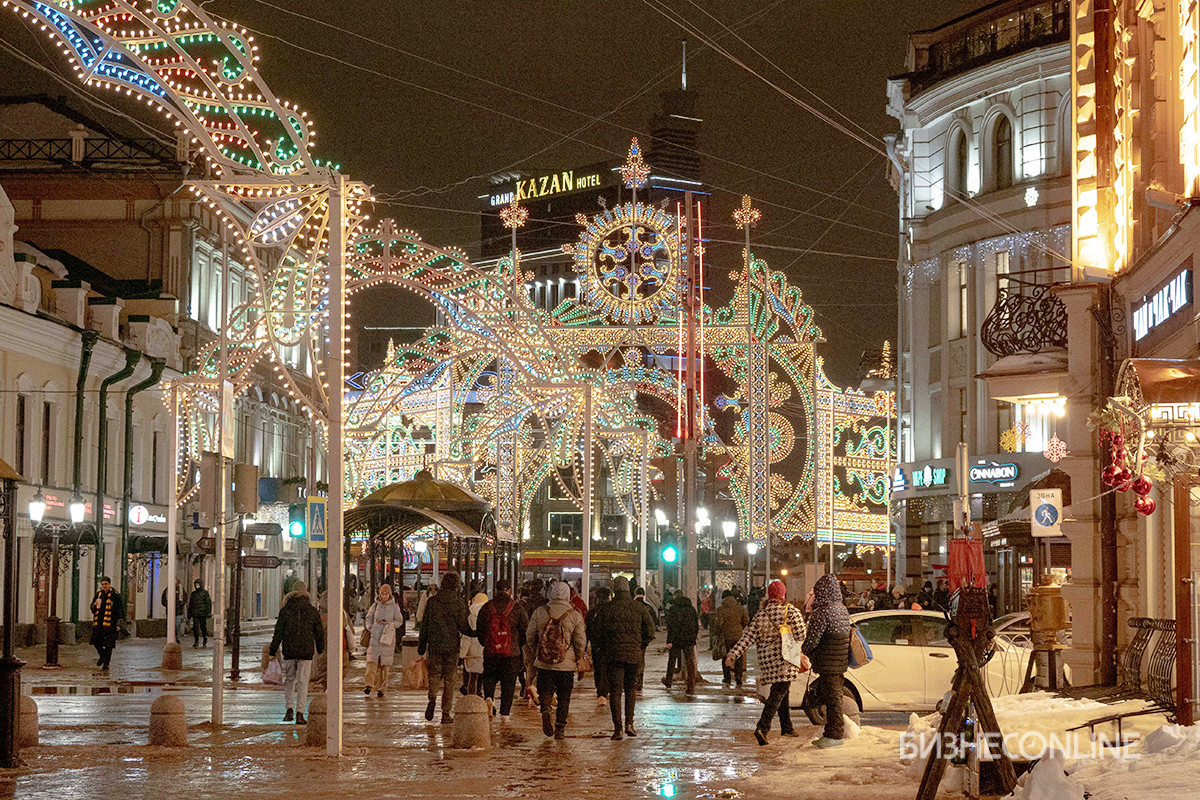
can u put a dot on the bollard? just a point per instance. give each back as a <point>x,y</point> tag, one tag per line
<point>168,722</point>
<point>472,723</point>
<point>27,724</point>
<point>314,732</point>
<point>172,657</point>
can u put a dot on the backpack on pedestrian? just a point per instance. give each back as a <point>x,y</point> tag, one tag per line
<point>499,641</point>
<point>553,644</point>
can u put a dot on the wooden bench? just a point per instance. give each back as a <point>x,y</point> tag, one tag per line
<point>1156,689</point>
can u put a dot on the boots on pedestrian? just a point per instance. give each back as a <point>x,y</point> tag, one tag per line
<point>760,736</point>
<point>547,723</point>
<point>825,743</point>
<point>428,708</point>
<point>446,718</point>
<point>299,718</point>
<point>618,735</point>
<point>287,715</point>
<point>629,731</point>
<point>560,732</point>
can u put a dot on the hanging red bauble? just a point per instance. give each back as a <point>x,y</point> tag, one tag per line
<point>1110,475</point>
<point>1125,480</point>
<point>1142,486</point>
<point>1120,454</point>
<point>1144,506</point>
<point>1118,440</point>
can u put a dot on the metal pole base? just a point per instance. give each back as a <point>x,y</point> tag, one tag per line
<point>10,710</point>
<point>51,643</point>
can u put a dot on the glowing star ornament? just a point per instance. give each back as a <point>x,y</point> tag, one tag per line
<point>1014,438</point>
<point>1056,449</point>
<point>746,216</point>
<point>635,170</point>
<point>513,215</point>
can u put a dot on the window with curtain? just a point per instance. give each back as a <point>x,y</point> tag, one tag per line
<point>1002,149</point>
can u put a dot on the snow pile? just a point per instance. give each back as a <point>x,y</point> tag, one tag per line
<point>1048,781</point>
<point>1165,765</point>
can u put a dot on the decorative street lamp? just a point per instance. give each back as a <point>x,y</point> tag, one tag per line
<point>37,511</point>
<point>730,528</point>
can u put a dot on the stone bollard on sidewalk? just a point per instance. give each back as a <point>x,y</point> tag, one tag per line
<point>314,731</point>
<point>172,656</point>
<point>168,722</point>
<point>472,723</point>
<point>27,723</point>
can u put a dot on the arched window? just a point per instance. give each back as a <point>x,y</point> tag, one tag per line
<point>1002,148</point>
<point>960,164</point>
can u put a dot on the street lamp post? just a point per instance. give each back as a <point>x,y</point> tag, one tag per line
<point>751,549</point>
<point>37,510</point>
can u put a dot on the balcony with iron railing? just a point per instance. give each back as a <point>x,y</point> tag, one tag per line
<point>1027,317</point>
<point>90,153</point>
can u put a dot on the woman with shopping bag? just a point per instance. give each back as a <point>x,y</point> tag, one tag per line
<point>384,623</point>
<point>776,631</point>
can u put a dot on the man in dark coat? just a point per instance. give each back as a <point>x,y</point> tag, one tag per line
<point>827,645</point>
<point>725,630</point>
<point>301,633</point>
<point>599,670</point>
<point>502,659</point>
<point>622,629</point>
<point>444,623</point>
<point>108,609</point>
<point>199,609</point>
<point>683,626</point>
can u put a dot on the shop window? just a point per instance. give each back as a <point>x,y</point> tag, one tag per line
<point>566,529</point>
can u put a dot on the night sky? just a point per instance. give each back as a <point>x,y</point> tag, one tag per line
<point>567,82</point>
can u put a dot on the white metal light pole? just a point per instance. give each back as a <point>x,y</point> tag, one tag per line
<point>218,650</point>
<point>173,517</point>
<point>334,370</point>
<point>644,521</point>
<point>585,582</point>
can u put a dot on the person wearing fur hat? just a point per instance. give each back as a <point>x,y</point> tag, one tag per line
<point>827,643</point>
<point>299,631</point>
<point>763,633</point>
<point>385,621</point>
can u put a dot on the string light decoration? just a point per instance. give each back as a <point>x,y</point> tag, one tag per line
<point>635,170</point>
<point>746,216</point>
<point>514,215</point>
<point>1056,449</point>
<point>272,199</point>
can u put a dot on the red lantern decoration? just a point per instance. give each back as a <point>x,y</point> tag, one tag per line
<point>1144,505</point>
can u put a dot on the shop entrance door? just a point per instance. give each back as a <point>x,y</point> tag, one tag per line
<point>1187,598</point>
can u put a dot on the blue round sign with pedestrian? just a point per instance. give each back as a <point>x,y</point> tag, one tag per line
<point>1046,515</point>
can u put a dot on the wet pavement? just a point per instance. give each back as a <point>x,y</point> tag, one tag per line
<point>94,729</point>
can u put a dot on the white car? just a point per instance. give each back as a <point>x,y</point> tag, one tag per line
<point>913,664</point>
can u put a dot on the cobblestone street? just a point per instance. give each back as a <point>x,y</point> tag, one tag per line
<point>93,734</point>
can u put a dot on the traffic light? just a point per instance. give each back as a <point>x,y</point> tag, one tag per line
<point>670,553</point>
<point>296,520</point>
<point>716,472</point>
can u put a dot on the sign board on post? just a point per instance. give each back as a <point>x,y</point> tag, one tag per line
<point>1045,507</point>
<point>316,523</point>
<point>260,562</point>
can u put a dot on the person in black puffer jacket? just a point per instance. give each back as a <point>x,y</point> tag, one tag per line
<point>442,627</point>
<point>683,626</point>
<point>827,644</point>
<point>621,631</point>
<point>300,633</point>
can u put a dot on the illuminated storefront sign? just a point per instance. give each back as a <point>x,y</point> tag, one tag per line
<point>1155,309</point>
<point>930,477</point>
<point>993,473</point>
<point>547,186</point>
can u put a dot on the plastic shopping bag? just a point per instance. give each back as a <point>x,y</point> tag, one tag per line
<point>273,674</point>
<point>790,648</point>
<point>415,675</point>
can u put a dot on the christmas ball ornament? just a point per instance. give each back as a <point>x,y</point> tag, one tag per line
<point>1120,454</point>
<point>1110,475</point>
<point>1118,440</point>
<point>1142,485</point>
<point>1125,480</point>
<point>1144,506</point>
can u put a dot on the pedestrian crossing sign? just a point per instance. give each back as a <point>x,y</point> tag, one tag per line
<point>316,523</point>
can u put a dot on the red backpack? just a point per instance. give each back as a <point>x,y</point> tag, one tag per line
<point>499,634</point>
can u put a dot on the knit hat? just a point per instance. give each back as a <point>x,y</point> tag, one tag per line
<point>299,587</point>
<point>621,584</point>
<point>776,590</point>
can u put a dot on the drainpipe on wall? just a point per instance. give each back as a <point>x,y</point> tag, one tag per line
<point>89,339</point>
<point>132,357</point>
<point>156,370</point>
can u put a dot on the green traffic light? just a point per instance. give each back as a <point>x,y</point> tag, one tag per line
<point>296,529</point>
<point>670,554</point>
